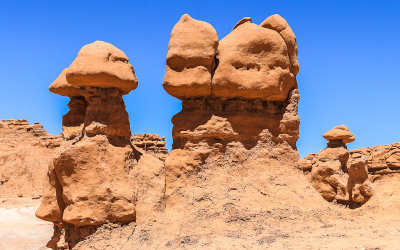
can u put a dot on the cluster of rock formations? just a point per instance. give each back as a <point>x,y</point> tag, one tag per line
<point>239,104</point>
<point>239,101</point>
<point>337,175</point>
<point>234,143</point>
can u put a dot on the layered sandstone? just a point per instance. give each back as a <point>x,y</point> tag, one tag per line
<point>151,143</point>
<point>25,151</point>
<point>381,159</point>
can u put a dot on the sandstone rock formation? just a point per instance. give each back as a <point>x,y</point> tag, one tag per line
<point>190,59</point>
<point>381,159</point>
<point>333,175</point>
<point>234,133</point>
<point>235,103</point>
<point>339,136</point>
<point>151,143</point>
<point>254,63</point>
<point>25,151</point>
<point>90,180</point>
<point>358,185</point>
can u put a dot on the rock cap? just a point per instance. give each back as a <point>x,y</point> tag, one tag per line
<point>339,133</point>
<point>61,87</point>
<point>102,65</point>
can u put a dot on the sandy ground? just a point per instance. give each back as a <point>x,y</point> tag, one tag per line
<point>19,227</point>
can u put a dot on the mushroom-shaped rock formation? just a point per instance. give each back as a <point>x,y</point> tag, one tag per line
<point>338,136</point>
<point>190,59</point>
<point>91,179</point>
<point>337,176</point>
<point>95,82</point>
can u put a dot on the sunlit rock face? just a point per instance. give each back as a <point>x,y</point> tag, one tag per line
<point>95,177</point>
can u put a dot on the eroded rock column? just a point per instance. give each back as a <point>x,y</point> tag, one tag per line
<point>89,181</point>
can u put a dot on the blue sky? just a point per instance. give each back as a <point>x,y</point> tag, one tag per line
<point>348,56</point>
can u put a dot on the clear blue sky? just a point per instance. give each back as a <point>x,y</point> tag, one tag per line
<point>348,55</point>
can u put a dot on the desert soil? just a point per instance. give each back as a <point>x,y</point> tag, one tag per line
<point>19,227</point>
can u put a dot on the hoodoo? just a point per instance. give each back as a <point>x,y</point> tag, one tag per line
<point>337,176</point>
<point>90,179</point>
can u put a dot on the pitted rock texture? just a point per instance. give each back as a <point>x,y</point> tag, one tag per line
<point>25,151</point>
<point>93,178</point>
<point>217,121</point>
<point>253,63</point>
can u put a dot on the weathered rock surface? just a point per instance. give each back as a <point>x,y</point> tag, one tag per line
<point>253,63</point>
<point>93,179</point>
<point>190,59</point>
<point>359,186</point>
<point>102,65</point>
<point>25,151</point>
<point>279,24</point>
<point>339,133</point>
<point>334,175</point>
<point>151,143</point>
<point>380,159</point>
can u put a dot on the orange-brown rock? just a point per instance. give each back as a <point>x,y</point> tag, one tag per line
<point>96,176</point>
<point>151,143</point>
<point>190,59</point>
<point>242,21</point>
<point>329,180</point>
<point>335,174</point>
<point>61,86</point>
<point>358,186</point>
<point>277,23</point>
<point>339,133</point>
<point>253,63</point>
<point>102,65</point>
<point>25,152</point>
<point>222,145</point>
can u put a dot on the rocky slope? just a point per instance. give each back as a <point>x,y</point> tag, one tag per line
<point>25,151</point>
